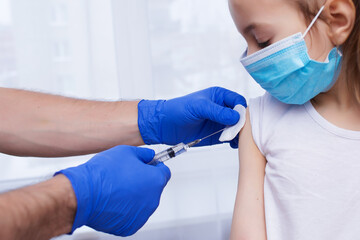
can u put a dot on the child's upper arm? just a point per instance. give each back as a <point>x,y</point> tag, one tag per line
<point>249,215</point>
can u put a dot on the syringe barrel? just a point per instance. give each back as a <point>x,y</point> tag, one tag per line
<point>169,153</point>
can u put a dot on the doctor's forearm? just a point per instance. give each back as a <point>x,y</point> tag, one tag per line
<point>38,212</point>
<point>36,124</point>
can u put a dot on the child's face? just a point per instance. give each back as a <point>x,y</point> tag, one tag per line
<point>263,22</point>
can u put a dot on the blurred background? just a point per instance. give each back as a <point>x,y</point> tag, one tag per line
<point>131,49</point>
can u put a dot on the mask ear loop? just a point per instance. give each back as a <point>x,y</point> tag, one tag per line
<point>313,21</point>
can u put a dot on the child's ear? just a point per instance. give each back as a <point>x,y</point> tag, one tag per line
<point>340,17</point>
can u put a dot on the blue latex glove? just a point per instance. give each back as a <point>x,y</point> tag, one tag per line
<point>190,117</point>
<point>116,191</point>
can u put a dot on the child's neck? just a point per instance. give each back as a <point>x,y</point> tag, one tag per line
<point>338,106</point>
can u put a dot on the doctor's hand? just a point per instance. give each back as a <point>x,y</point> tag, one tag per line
<point>116,190</point>
<point>188,118</point>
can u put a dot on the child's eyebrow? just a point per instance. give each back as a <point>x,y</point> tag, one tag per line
<point>253,26</point>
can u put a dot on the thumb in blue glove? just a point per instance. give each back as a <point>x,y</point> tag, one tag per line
<point>116,190</point>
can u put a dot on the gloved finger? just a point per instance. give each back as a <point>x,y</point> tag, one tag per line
<point>145,154</point>
<point>165,171</point>
<point>215,113</point>
<point>231,99</point>
<point>235,142</point>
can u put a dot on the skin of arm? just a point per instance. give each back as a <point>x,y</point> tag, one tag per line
<point>38,212</point>
<point>44,125</point>
<point>249,215</point>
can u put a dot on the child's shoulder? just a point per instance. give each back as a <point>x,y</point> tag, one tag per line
<point>266,108</point>
<point>265,114</point>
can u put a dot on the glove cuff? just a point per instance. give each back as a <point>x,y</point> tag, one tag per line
<point>149,120</point>
<point>82,189</point>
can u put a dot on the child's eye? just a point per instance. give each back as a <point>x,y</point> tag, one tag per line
<point>264,44</point>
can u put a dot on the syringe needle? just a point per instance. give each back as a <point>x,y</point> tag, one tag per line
<point>212,134</point>
<point>193,143</point>
<point>177,150</point>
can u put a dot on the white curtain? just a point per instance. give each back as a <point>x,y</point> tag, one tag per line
<point>131,49</point>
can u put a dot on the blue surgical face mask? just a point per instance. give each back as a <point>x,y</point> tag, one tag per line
<point>285,69</point>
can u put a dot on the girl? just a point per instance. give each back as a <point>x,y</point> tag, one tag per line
<point>300,148</point>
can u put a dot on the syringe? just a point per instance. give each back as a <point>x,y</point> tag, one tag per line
<point>177,150</point>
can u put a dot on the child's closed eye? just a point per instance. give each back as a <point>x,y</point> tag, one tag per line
<point>264,44</point>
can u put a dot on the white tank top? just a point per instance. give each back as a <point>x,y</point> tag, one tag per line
<point>312,181</point>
